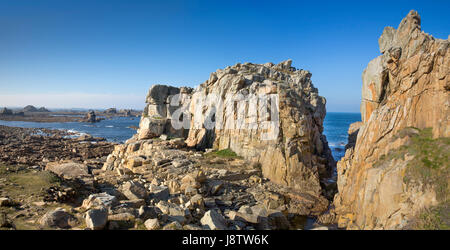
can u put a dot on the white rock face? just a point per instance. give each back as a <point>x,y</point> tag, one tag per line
<point>156,119</point>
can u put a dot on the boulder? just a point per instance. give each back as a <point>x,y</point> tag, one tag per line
<point>152,224</point>
<point>134,190</point>
<point>90,117</point>
<point>69,170</point>
<point>174,225</point>
<point>96,218</point>
<point>148,212</point>
<point>101,199</point>
<point>58,218</point>
<point>159,192</point>
<point>278,221</point>
<point>4,222</point>
<point>137,203</point>
<point>197,201</point>
<point>213,220</point>
<point>5,202</point>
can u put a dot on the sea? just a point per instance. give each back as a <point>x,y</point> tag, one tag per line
<point>119,129</point>
<point>335,127</point>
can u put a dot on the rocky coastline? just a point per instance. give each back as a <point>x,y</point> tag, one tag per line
<point>160,179</point>
<point>33,114</point>
<point>245,150</point>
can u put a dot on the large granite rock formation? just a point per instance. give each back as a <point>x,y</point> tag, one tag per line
<point>289,145</point>
<point>283,137</point>
<point>399,163</point>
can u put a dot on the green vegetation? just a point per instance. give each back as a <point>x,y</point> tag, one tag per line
<point>436,218</point>
<point>27,183</point>
<point>225,153</point>
<point>431,162</point>
<point>430,167</point>
<point>25,186</point>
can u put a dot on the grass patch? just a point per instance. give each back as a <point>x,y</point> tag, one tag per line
<point>225,153</point>
<point>25,186</point>
<point>436,218</point>
<point>431,162</point>
<point>27,183</point>
<point>430,165</point>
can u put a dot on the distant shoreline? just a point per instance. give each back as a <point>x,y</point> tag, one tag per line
<point>61,116</point>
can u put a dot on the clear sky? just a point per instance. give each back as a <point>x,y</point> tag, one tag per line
<point>99,54</point>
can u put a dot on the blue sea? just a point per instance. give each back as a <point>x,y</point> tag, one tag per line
<point>335,129</point>
<point>118,129</point>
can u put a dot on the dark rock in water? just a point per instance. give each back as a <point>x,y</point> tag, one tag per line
<point>111,111</point>
<point>30,108</point>
<point>91,117</point>
<point>5,111</point>
<point>43,109</point>
<point>126,112</point>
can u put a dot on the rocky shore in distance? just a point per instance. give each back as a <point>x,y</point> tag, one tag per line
<point>33,114</point>
<point>38,146</point>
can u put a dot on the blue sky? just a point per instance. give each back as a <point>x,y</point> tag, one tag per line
<point>101,54</point>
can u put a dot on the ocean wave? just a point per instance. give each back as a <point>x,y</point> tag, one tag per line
<point>75,133</point>
<point>336,144</point>
<point>109,126</point>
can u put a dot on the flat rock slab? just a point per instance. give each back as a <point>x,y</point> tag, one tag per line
<point>70,170</point>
